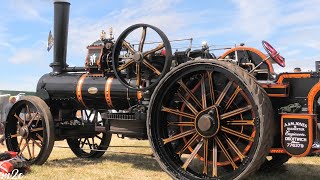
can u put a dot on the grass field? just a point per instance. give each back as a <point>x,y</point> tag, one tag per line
<point>63,164</point>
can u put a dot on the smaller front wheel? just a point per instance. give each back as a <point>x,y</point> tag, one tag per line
<point>30,130</point>
<point>90,147</point>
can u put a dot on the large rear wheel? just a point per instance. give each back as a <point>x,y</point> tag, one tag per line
<point>209,120</point>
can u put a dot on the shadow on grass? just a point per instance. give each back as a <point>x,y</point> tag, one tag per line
<point>285,172</point>
<point>290,172</point>
<point>138,161</point>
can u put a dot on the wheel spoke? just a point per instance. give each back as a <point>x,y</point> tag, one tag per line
<point>143,38</point>
<point>159,47</point>
<point>178,136</point>
<point>189,143</point>
<point>225,152</point>
<point>193,154</point>
<point>33,149</point>
<point>98,137</point>
<point>14,135</point>
<point>223,93</point>
<point>236,112</point>
<point>28,111</point>
<point>36,129</point>
<point>138,75</point>
<point>203,93</point>
<point>39,137</point>
<point>36,114</point>
<point>234,147</point>
<point>125,65</point>
<point>20,142</point>
<point>188,104</point>
<point>205,156</point>
<point>23,148</point>
<point>188,124</point>
<point>177,112</point>
<point>190,94</point>
<point>150,66</point>
<point>236,133</point>
<point>214,159</point>
<point>240,122</point>
<point>231,99</point>
<point>19,119</point>
<point>28,148</point>
<point>128,46</point>
<point>211,88</point>
<point>35,142</point>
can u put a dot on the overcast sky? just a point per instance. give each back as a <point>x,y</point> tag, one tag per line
<point>291,26</point>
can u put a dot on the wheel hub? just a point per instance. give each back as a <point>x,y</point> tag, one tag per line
<point>138,57</point>
<point>208,122</point>
<point>24,131</point>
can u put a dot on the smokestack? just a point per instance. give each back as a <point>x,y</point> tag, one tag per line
<point>61,23</point>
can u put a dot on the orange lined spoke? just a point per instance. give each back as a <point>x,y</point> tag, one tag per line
<point>125,65</point>
<point>150,66</point>
<point>211,88</point>
<point>236,133</point>
<point>225,152</point>
<point>178,136</point>
<point>188,124</point>
<point>189,143</point>
<point>190,94</point>
<point>193,154</point>
<point>19,119</point>
<point>138,81</point>
<point>205,156</point>
<point>32,119</point>
<point>188,104</point>
<point>234,147</point>
<point>177,112</point>
<point>28,111</point>
<point>241,122</point>
<point>143,38</point>
<point>159,47</point>
<point>203,92</point>
<point>231,99</point>
<point>214,159</point>
<point>236,112</point>
<point>128,46</point>
<point>223,93</point>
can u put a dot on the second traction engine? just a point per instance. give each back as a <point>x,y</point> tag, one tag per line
<point>115,80</point>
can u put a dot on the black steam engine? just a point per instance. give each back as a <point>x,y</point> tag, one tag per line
<point>205,117</point>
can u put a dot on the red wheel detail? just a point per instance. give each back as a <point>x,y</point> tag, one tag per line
<point>274,54</point>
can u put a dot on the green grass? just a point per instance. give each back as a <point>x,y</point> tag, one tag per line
<point>63,164</point>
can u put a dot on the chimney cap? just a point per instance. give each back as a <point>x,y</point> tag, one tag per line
<point>66,1</point>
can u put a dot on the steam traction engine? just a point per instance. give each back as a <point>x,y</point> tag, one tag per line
<point>205,117</point>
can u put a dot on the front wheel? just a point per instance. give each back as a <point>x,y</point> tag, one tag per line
<point>30,130</point>
<point>209,120</point>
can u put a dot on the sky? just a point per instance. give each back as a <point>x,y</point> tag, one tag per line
<point>291,26</point>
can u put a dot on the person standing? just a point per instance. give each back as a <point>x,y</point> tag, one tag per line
<point>7,108</point>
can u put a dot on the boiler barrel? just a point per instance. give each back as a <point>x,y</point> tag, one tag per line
<point>86,91</point>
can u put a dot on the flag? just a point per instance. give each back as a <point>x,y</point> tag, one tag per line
<point>50,41</point>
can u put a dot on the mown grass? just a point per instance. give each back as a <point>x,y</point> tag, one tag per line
<point>63,164</point>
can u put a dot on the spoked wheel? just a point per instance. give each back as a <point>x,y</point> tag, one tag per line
<point>90,147</point>
<point>148,65</point>
<point>274,161</point>
<point>30,130</point>
<point>209,120</point>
